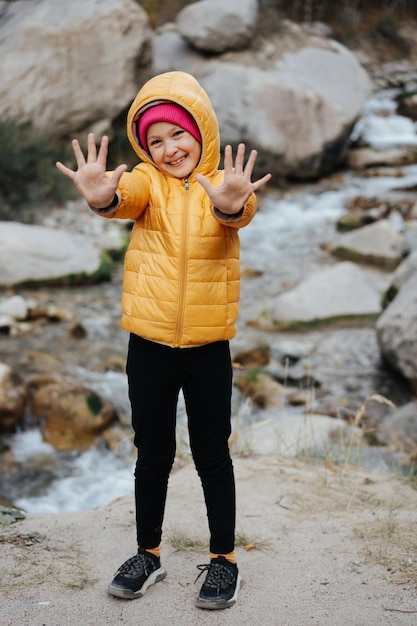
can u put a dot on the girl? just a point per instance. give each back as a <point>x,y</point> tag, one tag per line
<point>179,304</point>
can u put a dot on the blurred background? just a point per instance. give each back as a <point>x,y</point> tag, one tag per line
<point>325,358</point>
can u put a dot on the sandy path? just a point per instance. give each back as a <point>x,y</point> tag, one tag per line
<point>333,548</point>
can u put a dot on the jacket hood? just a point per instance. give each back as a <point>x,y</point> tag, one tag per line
<point>183,89</point>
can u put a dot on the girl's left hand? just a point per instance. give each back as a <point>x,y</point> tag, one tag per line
<point>237,187</point>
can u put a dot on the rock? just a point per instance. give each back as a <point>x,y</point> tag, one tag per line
<point>371,413</point>
<point>377,244</point>
<point>413,212</point>
<point>111,236</point>
<point>7,324</point>
<point>217,26</point>
<point>410,235</point>
<point>263,390</point>
<point>14,399</point>
<point>18,315</point>
<point>363,210</point>
<point>171,51</point>
<point>400,429</point>
<point>253,357</point>
<point>290,351</point>
<point>66,64</point>
<point>14,306</point>
<point>397,331</point>
<point>338,293</point>
<point>408,103</point>
<point>296,108</point>
<point>289,435</point>
<point>298,375</point>
<point>110,385</point>
<point>39,255</point>
<point>73,415</point>
<point>10,515</point>
<point>404,271</point>
<point>77,331</point>
<point>362,158</point>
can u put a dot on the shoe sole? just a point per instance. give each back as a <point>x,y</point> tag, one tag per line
<point>220,604</point>
<point>128,594</point>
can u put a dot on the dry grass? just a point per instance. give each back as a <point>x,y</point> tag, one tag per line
<point>183,542</point>
<point>391,542</point>
<point>33,565</point>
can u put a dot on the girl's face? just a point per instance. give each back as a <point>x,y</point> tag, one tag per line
<point>173,149</point>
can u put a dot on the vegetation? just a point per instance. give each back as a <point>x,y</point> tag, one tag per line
<point>29,179</point>
<point>181,542</point>
<point>309,10</point>
<point>161,11</point>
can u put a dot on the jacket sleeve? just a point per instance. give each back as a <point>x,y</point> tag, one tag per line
<point>133,193</point>
<point>241,219</point>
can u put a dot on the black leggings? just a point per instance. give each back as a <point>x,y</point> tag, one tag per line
<point>156,373</point>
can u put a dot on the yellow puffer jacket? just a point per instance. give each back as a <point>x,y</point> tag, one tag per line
<point>181,281</point>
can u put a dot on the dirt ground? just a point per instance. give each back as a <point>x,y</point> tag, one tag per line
<point>318,545</point>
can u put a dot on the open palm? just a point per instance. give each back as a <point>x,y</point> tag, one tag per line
<point>237,186</point>
<point>90,177</point>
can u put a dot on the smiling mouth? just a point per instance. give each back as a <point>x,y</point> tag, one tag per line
<point>177,162</point>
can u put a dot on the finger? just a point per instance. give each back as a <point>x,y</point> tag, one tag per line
<point>250,164</point>
<point>103,151</point>
<point>78,153</point>
<point>206,185</point>
<point>65,170</point>
<point>91,148</point>
<point>262,181</point>
<point>228,160</point>
<point>118,172</point>
<point>240,157</point>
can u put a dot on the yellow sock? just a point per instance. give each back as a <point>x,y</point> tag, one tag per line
<point>155,551</point>
<point>230,556</point>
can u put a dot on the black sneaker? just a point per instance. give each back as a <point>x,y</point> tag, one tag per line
<point>221,586</point>
<point>135,575</point>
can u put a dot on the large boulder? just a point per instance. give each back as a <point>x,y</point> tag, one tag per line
<point>67,65</point>
<point>377,244</point>
<point>338,293</point>
<point>39,255</point>
<point>73,415</point>
<point>217,26</point>
<point>295,100</point>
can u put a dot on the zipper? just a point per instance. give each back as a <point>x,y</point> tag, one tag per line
<point>182,279</point>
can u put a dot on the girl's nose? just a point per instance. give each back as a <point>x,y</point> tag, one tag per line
<point>170,146</point>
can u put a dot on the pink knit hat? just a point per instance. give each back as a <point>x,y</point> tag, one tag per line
<point>166,112</point>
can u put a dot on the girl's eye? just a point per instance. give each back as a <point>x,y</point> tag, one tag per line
<point>178,132</point>
<point>155,142</point>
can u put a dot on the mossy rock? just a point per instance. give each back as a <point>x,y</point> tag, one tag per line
<point>10,515</point>
<point>102,273</point>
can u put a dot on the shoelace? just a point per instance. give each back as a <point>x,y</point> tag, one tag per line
<point>136,565</point>
<point>219,576</point>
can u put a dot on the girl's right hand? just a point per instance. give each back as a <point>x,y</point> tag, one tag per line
<point>90,178</point>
